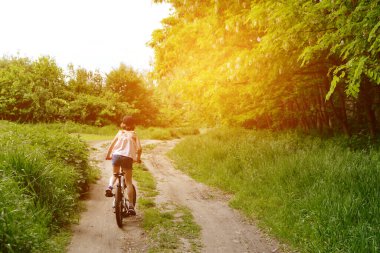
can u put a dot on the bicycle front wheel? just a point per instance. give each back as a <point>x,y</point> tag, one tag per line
<point>119,207</point>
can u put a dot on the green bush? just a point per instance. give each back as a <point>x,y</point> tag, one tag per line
<point>317,195</point>
<point>54,144</point>
<point>42,175</point>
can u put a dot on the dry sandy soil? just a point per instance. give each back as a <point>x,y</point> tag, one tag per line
<point>223,229</point>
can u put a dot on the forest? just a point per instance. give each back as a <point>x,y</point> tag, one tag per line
<point>296,64</point>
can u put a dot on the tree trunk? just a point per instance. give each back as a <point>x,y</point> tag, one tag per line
<point>366,97</point>
<point>340,112</point>
<point>343,112</point>
<point>323,109</point>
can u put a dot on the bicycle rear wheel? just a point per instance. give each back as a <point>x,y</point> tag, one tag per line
<point>134,195</point>
<point>119,207</point>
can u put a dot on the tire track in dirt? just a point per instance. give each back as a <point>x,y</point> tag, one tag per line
<point>223,229</point>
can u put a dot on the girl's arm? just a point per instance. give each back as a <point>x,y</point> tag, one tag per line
<point>139,150</point>
<point>109,153</point>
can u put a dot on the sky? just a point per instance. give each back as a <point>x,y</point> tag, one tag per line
<point>93,34</point>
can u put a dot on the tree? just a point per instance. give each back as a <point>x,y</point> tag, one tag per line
<point>132,89</point>
<point>84,81</point>
<point>29,89</point>
<point>272,64</point>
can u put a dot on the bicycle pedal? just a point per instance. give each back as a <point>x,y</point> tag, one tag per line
<point>131,212</point>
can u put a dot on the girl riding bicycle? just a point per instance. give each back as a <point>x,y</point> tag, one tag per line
<point>124,150</point>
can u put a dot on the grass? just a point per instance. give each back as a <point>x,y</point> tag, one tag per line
<point>156,133</point>
<point>94,133</point>
<point>171,230</point>
<point>94,137</point>
<point>42,174</point>
<point>170,227</point>
<point>316,195</point>
<point>147,184</point>
<point>72,128</point>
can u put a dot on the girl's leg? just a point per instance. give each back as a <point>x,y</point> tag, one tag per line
<point>112,181</point>
<point>128,181</point>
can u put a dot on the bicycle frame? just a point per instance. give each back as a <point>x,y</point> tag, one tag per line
<point>121,201</point>
<point>120,179</point>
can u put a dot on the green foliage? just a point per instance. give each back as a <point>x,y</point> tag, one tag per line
<point>351,37</point>
<point>42,175</point>
<point>130,87</point>
<point>311,65</point>
<point>97,111</point>
<point>316,195</point>
<point>29,90</point>
<point>83,81</point>
<point>39,91</point>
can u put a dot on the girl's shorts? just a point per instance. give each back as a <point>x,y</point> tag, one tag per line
<point>123,161</point>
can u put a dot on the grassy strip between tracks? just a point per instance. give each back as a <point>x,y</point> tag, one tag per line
<point>169,227</point>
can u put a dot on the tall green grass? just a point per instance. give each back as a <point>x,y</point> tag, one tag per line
<point>108,132</point>
<point>316,195</point>
<point>157,133</point>
<point>42,175</point>
<point>72,127</point>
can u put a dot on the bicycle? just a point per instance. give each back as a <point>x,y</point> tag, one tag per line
<point>121,202</point>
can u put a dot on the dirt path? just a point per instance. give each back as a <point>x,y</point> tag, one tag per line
<point>223,229</point>
<point>97,231</point>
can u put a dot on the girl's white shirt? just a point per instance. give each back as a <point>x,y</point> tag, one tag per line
<point>127,144</point>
